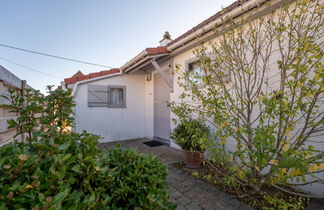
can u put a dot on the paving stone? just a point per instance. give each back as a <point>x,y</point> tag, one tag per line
<point>194,191</point>
<point>177,178</point>
<point>235,203</point>
<point>224,205</point>
<point>193,206</point>
<point>184,189</point>
<point>208,196</point>
<point>246,207</point>
<point>187,183</point>
<point>181,207</point>
<point>179,187</point>
<point>190,194</point>
<point>208,206</point>
<point>214,200</point>
<point>200,199</point>
<point>172,182</point>
<point>176,195</point>
<point>184,200</point>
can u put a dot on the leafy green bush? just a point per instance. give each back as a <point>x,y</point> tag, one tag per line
<point>191,135</point>
<point>39,114</point>
<point>137,179</point>
<point>68,171</point>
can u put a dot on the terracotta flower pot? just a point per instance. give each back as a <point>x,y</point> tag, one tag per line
<point>193,159</point>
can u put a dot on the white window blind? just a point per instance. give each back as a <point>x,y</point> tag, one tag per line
<point>116,96</point>
<point>107,96</point>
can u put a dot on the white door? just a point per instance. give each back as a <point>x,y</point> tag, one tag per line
<point>161,110</point>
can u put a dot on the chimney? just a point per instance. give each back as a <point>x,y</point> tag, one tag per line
<point>166,39</point>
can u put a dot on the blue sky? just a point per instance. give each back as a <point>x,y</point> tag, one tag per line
<point>98,31</point>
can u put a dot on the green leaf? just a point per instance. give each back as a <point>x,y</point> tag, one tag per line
<point>59,197</point>
<point>77,169</point>
<point>65,145</point>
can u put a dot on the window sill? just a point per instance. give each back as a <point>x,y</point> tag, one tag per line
<point>117,107</point>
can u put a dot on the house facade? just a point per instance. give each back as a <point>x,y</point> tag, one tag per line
<point>131,102</point>
<point>149,80</point>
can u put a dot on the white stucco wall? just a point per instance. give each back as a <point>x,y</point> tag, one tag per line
<point>113,124</point>
<point>149,108</point>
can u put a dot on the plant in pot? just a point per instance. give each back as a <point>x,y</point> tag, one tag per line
<point>193,137</point>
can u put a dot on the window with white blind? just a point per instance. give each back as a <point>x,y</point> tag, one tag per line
<point>111,96</point>
<point>116,96</point>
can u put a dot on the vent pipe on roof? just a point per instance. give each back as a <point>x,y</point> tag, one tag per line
<point>166,39</point>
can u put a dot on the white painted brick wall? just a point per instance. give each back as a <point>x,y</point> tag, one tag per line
<point>113,124</point>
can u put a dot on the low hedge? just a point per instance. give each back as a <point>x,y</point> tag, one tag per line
<point>70,172</point>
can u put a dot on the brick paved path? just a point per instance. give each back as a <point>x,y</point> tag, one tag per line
<point>187,192</point>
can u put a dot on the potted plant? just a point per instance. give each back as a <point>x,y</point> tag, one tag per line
<point>193,136</point>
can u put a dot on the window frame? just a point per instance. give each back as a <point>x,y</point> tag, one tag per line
<point>188,63</point>
<point>124,96</point>
<point>226,76</point>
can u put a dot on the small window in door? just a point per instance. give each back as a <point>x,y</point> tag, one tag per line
<point>116,96</point>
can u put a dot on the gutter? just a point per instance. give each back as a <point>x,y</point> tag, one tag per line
<point>137,63</point>
<point>232,14</point>
<point>134,60</point>
<point>93,79</point>
<point>142,62</point>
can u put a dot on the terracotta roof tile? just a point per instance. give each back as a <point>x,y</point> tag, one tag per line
<point>95,74</point>
<point>79,73</point>
<point>156,50</point>
<point>114,71</point>
<point>70,80</point>
<point>83,77</point>
<point>105,72</point>
<point>79,76</point>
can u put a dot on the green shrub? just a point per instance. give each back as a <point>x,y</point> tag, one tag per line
<point>191,135</point>
<point>36,113</point>
<point>68,171</point>
<point>136,180</point>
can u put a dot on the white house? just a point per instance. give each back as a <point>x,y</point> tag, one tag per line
<point>130,102</point>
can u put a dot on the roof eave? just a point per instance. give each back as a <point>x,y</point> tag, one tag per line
<point>139,63</point>
<point>246,6</point>
<point>133,61</point>
<point>93,79</point>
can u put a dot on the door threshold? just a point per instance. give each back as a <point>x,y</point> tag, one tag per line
<point>162,141</point>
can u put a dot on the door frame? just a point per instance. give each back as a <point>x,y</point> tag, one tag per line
<point>155,138</point>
